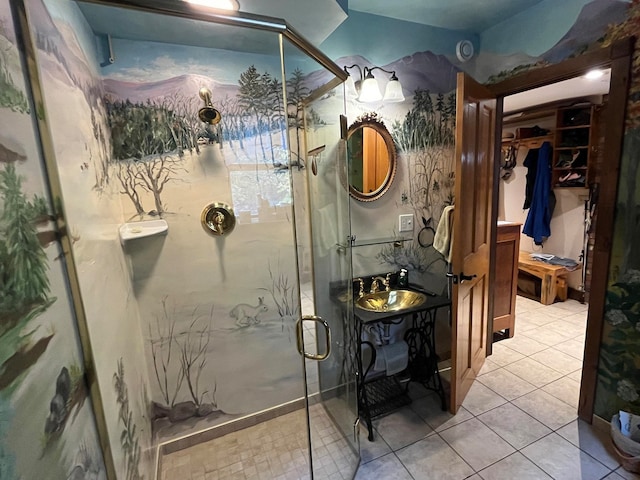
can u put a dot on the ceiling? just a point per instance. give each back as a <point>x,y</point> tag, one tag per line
<point>578,87</point>
<point>470,15</point>
<point>317,19</point>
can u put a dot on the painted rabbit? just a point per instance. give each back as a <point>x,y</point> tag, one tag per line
<point>247,315</point>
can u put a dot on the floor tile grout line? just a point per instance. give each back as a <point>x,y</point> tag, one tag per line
<point>564,375</point>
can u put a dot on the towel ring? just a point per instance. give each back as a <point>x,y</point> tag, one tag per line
<point>426,234</point>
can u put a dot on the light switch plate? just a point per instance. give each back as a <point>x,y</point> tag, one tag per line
<point>406,223</point>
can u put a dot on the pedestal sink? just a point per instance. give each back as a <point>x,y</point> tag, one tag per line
<point>390,301</point>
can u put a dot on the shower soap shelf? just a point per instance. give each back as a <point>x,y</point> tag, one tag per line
<point>146,228</point>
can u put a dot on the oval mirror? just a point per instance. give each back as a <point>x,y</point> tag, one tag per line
<point>371,157</point>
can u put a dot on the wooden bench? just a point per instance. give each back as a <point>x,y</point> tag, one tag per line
<point>554,277</point>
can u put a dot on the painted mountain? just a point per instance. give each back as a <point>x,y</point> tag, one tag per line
<point>488,64</point>
<point>59,40</point>
<point>425,70</point>
<point>184,86</point>
<point>421,70</point>
<point>592,22</point>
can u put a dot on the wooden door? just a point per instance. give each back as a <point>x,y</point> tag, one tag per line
<point>471,233</point>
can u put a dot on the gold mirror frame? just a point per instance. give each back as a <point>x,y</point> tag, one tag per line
<point>373,121</point>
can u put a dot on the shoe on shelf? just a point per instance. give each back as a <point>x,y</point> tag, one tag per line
<point>568,177</point>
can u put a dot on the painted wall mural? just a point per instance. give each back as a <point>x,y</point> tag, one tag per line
<point>219,342</point>
<point>423,129</point>
<point>47,427</point>
<point>175,314</point>
<point>73,89</point>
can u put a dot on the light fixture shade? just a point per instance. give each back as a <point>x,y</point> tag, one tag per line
<point>370,91</point>
<point>352,86</point>
<point>393,92</point>
<point>219,4</point>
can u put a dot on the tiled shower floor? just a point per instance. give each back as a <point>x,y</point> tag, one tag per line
<point>275,449</point>
<point>518,422</point>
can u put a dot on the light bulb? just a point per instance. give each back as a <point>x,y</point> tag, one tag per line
<point>370,91</point>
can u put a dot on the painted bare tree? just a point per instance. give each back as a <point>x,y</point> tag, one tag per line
<point>126,175</point>
<point>193,346</point>
<point>186,109</point>
<point>179,359</point>
<point>232,121</point>
<point>161,344</point>
<point>149,139</point>
<point>154,174</point>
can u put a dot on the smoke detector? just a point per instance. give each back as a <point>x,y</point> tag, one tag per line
<point>464,50</point>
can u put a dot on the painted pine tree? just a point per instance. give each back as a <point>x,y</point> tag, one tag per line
<point>24,261</point>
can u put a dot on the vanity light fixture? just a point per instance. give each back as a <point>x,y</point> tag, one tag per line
<point>368,89</point>
<point>219,4</point>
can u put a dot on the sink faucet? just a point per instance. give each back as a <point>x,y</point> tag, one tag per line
<point>375,285</point>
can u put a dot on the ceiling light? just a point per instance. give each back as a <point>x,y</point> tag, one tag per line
<point>594,74</point>
<point>219,4</point>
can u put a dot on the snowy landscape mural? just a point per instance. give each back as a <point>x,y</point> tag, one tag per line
<point>47,427</point>
<point>198,322</point>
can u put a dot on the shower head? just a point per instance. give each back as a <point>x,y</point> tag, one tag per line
<point>208,114</point>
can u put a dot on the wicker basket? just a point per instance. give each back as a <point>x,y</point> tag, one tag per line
<point>627,451</point>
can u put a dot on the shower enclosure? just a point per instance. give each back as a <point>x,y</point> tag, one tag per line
<point>191,330</point>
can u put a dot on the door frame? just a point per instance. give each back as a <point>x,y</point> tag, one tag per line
<point>618,57</point>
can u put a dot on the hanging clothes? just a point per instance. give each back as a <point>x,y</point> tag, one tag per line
<point>538,222</point>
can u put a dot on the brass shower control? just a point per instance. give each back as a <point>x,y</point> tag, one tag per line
<point>218,219</point>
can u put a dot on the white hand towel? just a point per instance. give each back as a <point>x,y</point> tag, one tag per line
<point>443,238</point>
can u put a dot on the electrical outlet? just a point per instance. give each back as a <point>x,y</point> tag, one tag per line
<point>406,223</point>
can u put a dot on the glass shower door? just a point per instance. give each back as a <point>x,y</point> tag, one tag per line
<point>333,399</point>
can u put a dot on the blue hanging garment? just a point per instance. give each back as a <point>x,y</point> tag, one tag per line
<point>538,223</point>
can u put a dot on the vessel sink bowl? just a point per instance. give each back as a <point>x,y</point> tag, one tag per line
<point>391,301</point>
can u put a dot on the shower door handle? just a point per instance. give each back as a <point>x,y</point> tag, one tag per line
<point>300,340</point>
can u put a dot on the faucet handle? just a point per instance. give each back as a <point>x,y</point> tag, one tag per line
<point>387,282</point>
<point>374,285</point>
<point>361,286</point>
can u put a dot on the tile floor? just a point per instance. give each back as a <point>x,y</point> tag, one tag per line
<point>518,422</point>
